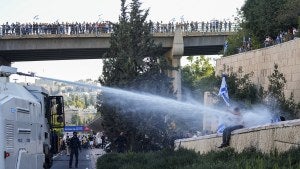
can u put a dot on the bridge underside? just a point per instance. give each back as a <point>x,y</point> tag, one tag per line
<point>94,53</point>
<point>202,50</point>
<point>52,54</point>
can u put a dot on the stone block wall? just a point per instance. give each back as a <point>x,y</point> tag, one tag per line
<point>266,138</point>
<point>261,63</point>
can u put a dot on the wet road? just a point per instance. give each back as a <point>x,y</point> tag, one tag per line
<point>86,160</point>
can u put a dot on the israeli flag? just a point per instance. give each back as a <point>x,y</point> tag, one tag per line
<point>224,92</point>
<point>225,47</point>
<point>36,17</point>
<point>220,129</point>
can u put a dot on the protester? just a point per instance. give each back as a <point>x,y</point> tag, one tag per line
<point>65,28</point>
<point>91,141</point>
<point>62,144</point>
<point>146,143</point>
<point>103,141</point>
<point>236,123</point>
<point>74,147</point>
<point>121,143</point>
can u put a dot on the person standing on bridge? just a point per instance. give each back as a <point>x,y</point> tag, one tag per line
<point>74,147</point>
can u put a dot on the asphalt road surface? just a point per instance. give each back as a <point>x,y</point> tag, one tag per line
<point>86,160</point>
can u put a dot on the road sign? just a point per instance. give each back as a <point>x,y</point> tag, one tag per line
<point>73,128</point>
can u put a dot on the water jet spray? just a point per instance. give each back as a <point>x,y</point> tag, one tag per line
<point>144,103</point>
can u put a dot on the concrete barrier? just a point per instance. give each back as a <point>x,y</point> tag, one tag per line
<point>281,136</point>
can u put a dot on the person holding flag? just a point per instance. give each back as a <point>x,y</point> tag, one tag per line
<point>223,92</point>
<point>236,121</point>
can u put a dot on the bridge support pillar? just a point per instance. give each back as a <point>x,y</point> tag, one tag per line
<point>174,55</point>
<point>4,62</point>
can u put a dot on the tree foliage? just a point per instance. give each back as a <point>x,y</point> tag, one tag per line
<point>76,101</point>
<point>197,77</point>
<point>241,90</point>
<point>198,68</point>
<point>75,119</point>
<point>269,17</point>
<point>289,13</point>
<point>260,18</point>
<point>189,159</point>
<point>134,62</point>
<point>275,96</point>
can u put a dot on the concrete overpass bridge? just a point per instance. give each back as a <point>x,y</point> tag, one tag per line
<point>92,46</point>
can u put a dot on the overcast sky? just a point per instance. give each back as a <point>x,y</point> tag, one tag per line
<point>98,10</point>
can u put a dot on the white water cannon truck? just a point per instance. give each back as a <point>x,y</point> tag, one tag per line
<point>28,119</point>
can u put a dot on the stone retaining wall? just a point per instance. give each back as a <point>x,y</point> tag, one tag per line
<point>261,63</point>
<point>281,136</point>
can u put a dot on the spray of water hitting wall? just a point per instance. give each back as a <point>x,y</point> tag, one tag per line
<point>145,103</point>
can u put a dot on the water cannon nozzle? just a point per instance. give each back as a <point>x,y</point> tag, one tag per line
<point>30,74</point>
<point>6,71</point>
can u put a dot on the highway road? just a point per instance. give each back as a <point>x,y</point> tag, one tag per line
<point>86,160</point>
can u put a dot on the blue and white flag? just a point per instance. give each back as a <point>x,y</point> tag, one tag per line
<point>224,92</point>
<point>36,17</point>
<point>221,128</point>
<point>225,47</point>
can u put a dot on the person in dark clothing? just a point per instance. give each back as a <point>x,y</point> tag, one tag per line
<point>54,145</point>
<point>103,141</point>
<point>146,143</point>
<point>121,143</point>
<point>237,123</point>
<point>74,145</point>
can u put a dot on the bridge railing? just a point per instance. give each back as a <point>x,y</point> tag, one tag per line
<point>96,29</point>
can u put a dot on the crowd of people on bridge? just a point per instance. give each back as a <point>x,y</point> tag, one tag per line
<point>97,28</point>
<point>195,26</point>
<point>55,28</point>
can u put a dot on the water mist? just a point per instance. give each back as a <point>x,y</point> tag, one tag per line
<point>145,103</point>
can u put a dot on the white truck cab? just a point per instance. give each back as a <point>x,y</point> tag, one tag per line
<point>28,115</point>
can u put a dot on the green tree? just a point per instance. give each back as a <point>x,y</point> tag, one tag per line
<point>197,77</point>
<point>276,99</point>
<point>289,13</point>
<point>75,119</point>
<point>241,89</point>
<point>269,17</point>
<point>133,62</point>
<point>86,103</point>
<point>91,100</point>
<point>260,18</point>
<point>77,102</point>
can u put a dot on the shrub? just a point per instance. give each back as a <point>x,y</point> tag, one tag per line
<point>189,159</point>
